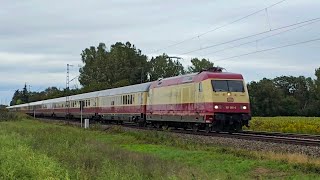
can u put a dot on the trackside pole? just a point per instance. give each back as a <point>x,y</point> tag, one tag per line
<point>81,116</point>
<point>81,109</point>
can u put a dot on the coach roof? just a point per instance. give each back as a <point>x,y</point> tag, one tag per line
<point>109,92</point>
<point>116,91</point>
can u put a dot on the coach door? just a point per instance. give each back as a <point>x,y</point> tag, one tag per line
<point>96,105</point>
<point>150,99</point>
<point>112,105</point>
<point>198,97</point>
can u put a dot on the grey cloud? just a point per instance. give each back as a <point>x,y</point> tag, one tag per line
<point>37,38</point>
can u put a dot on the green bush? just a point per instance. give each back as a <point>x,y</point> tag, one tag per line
<point>7,116</point>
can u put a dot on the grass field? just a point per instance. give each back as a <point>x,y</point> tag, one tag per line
<point>304,125</point>
<point>35,150</point>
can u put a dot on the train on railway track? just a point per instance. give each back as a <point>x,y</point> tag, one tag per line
<point>211,100</point>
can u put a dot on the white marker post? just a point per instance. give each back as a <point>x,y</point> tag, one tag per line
<point>86,123</point>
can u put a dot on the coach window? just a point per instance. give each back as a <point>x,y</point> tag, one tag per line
<point>89,103</point>
<point>200,87</point>
<point>131,99</point>
<point>128,99</point>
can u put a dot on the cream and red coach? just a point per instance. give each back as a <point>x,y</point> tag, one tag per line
<point>210,100</point>
<point>119,104</point>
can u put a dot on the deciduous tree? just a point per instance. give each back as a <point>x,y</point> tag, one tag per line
<point>198,65</point>
<point>163,66</point>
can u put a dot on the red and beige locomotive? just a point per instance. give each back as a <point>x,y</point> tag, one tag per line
<point>211,100</point>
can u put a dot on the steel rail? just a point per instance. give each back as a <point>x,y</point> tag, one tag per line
<point>279,134</point>
<point>282,138</point>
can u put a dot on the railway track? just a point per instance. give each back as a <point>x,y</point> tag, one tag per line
<point>281,138</point>
<point>274,137</point>
<point>284,139</point>
<point>279,134</point>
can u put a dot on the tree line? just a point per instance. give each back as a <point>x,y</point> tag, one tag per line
<point>286,96</point>
<point>123,64</point>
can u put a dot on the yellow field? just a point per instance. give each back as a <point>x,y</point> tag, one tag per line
<point>304,125</point>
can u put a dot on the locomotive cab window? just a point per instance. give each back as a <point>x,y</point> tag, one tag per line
<point>227,85</point>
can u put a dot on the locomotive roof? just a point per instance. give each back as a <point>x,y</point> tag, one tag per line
<point>194,77</point>
<point>109,92</point>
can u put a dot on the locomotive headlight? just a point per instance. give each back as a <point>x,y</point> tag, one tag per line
<point>244,107</point>
<point>216,107</point>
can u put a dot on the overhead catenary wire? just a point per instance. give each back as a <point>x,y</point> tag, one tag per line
<point>266,37</point>
<point>220,27</point>
<point>250,36</point>
<point>269,49</point>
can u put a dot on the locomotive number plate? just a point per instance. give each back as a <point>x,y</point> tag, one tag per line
<point>231,107</point>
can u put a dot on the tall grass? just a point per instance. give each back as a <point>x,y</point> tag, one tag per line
<point>19,161</point>
<point>81,156</point>
<point>35,150</point>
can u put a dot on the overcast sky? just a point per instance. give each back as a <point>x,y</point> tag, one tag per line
<point>38,38</point>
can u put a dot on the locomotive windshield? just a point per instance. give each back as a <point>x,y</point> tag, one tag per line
<point>227,85</point>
